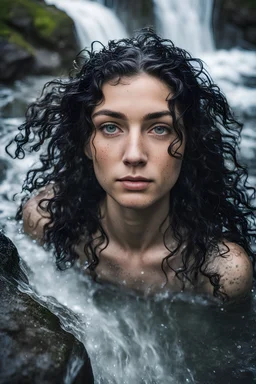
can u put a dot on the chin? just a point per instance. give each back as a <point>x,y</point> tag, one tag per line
<point>136,203</point>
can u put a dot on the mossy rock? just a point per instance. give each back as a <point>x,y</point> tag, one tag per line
<point>32,33</point>
<point>16,38</point>
<point>38,22</point>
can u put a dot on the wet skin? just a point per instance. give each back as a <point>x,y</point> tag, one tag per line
<point>129,151</point>
<point>133,130</point>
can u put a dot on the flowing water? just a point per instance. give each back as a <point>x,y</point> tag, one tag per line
<point>169,339</point>
<point>186,22</point>
<point>92,21</point>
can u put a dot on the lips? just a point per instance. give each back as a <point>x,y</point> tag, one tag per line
<point>135,183</point>
<point>134,179</point>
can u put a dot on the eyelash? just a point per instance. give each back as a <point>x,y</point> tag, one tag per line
<point>167,129</point>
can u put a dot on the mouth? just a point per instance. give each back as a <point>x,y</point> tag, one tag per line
<point>135,179</point>
<point>136,183</point>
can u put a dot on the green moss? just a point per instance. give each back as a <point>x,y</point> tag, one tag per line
<point>45,26</point>
<point>4,31</point>
<point>46,22</point>
<point>15,37</point>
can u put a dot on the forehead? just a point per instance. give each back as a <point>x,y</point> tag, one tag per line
<point>129,93</point>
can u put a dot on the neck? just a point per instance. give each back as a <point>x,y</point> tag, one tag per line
<point>135,230</point>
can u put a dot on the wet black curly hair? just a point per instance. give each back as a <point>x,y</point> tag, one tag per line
<point>208,204</point>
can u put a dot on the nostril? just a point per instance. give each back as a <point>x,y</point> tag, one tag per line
<point>134,162</point>
<point>134,156</point>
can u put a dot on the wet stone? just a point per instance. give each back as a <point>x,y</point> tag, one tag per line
<point>33,346</point>
<point>3,169</point>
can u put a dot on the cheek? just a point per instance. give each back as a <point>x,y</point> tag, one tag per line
<point>102,162</point>
<point>171,170</point>
<point>100,152</point>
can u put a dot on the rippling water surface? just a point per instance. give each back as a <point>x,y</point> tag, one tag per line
<point>176,339</point>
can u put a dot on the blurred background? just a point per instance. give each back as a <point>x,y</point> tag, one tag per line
<point>43,36</point>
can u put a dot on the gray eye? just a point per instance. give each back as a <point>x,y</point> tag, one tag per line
<point>110,128</point>
<point>160,130</point>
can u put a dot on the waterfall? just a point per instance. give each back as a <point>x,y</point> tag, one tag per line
<point>186,22</point>
<point>93,21</point>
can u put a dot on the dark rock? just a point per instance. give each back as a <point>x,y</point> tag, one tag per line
<point>33,346</point>
<point>4,165</point>
<point>15,61</point>
<point>9,260</point>
<point>34,38</point>
<point>14,108</point>
<point>234,24</point>
<point>250,34</point>
<point>46,61</point>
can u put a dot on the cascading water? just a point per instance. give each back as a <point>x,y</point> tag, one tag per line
<point>187,23</point>
<point>168,340</point>
<point>93,21</point>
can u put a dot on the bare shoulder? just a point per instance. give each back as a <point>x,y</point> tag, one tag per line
<point>235,269</point>
<point>34,216</point>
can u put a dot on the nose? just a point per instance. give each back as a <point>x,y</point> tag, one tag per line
<point>134,150</point>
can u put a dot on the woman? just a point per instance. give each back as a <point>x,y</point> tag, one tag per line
<point>139,181</point>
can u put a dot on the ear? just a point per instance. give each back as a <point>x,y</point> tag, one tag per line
<point>87,151</point>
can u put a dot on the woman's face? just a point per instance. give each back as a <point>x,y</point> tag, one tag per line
<point>129,148</point>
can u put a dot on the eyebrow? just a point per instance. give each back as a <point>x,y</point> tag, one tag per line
<point>119,115</point>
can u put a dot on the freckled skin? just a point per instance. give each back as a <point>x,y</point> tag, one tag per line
<point>133,145</point>
<point>235,270</point>
<point>135,149</point>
